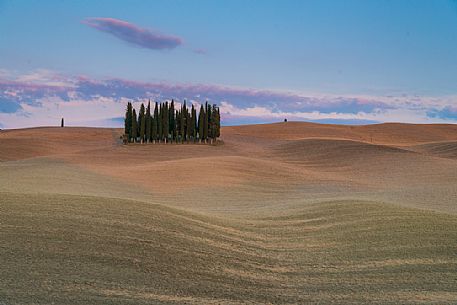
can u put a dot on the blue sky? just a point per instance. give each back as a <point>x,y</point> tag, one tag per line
<point>341,61</point>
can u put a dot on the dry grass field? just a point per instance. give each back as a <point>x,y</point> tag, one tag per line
<point>286,213</point>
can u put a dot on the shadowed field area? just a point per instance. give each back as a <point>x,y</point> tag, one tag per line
<point>79,250</point>
<point>281,213</point>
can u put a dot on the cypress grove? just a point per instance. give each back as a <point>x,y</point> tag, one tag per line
<point>171,124</point>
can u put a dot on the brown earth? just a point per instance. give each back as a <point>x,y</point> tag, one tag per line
<point>282,213</point>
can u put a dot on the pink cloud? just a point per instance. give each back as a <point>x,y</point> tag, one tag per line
<point>29,99</point>
<point>133,34</point>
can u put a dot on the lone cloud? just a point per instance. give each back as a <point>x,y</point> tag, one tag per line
<point>133,34</point>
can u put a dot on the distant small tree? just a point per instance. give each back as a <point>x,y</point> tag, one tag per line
<point>61,123</point>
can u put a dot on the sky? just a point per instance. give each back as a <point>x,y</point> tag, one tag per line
<point>344,62</point>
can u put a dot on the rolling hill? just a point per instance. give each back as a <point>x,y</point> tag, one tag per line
<point>280,213</point>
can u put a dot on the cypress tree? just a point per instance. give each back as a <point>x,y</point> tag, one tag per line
<point>154,123</point>
<point>192,123</point>
<point>142,123</point>
<point>185,126</point>
<point>175,125</point>
<point>188,127</point>
<point>201,123</point>
<point>211,129</point>
<point>148,122</point>
<point>151,121</point>
<point>153,128</point>
<point>195,124</point>
<point>134,126</point>
<point>218,123</point>
<point>209,114</point>
<point>166,117</point>
<point>159,123</point>
<point>171,115</point>
<point>190,130</point>
<point>215,123</point>
<point>205,123</point>
<point>183,122</point>
<point>178,125</point>
<point>128,121</point>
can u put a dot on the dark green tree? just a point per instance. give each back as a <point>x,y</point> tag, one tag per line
<point>209,114</point>
<point>134,126</point>
<point>187,125</point>
<point>195,124</point>
<point>155,118</point>
<point>148,122</point>
<point>211,129</point>
<point>205,123</point>
<point>166,125</point>
<point>128,121</point>
<point>201,123</point>
<point>159,123</point>
<point>142,123</point>
<point>218,122</point>
<point>214,123</point>
<point>193,119</point>
<point>172,123</point>
<point>181,125</point>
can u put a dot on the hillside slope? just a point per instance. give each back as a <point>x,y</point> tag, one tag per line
<point>388,133</point>
<point>90,250</point>
<point>280,213</point>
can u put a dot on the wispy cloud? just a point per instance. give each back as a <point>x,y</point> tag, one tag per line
<point>447,112</point>
<point>133,34</point>
<point>200,51</point>
<point>42,97</point>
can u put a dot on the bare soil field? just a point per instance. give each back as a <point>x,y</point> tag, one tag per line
<point>286,213</point>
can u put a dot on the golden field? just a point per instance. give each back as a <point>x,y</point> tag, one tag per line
<point>286,213</point>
